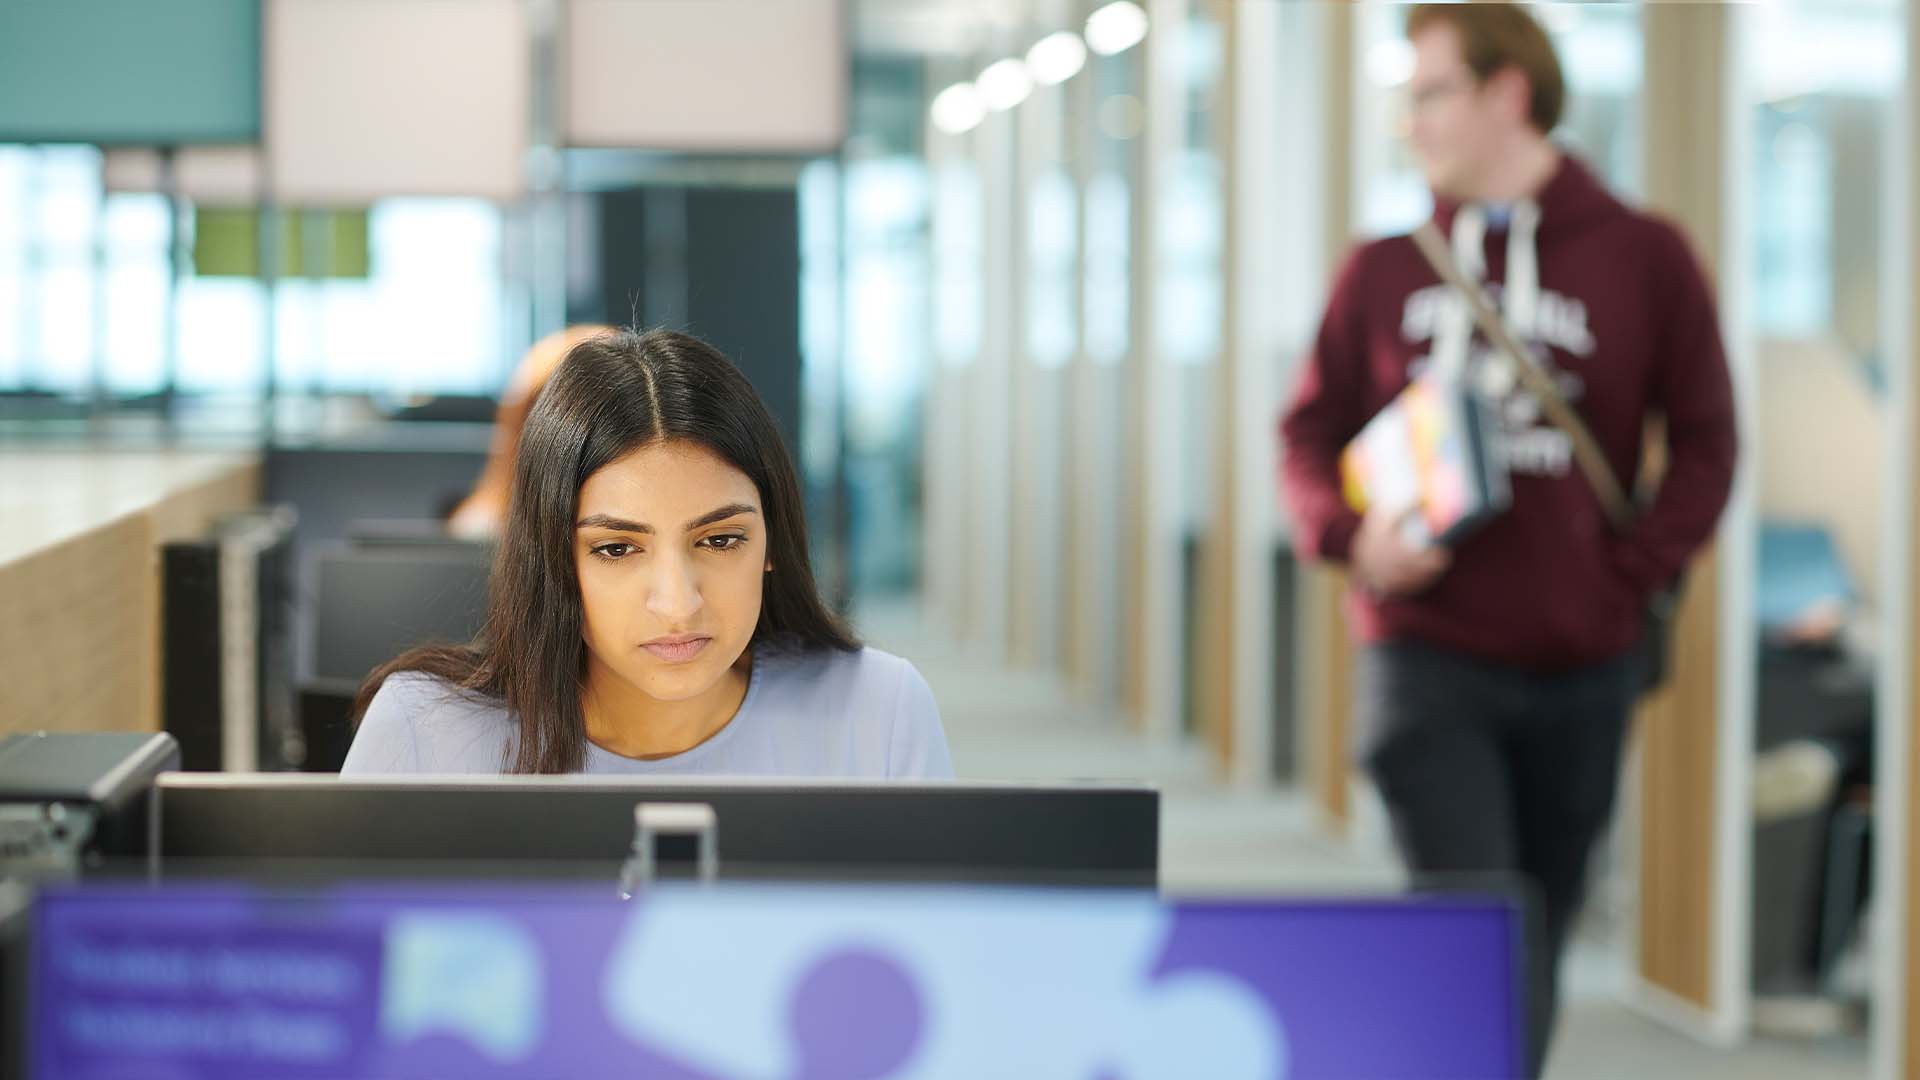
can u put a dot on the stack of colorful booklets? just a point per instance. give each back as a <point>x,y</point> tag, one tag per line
<point>1433,454</point>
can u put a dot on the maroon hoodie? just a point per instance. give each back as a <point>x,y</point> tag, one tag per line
<point>1626,323</point>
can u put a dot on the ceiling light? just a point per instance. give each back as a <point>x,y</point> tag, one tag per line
<point>1116,28</point>
<point>1390,62</point>
<point>1004,85</point>
<point>1056,58</point>
<point>957,109</point>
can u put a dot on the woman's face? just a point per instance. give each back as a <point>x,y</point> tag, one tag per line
<point>671,548</point>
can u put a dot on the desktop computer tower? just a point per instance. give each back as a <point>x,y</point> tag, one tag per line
<point>227,645</point>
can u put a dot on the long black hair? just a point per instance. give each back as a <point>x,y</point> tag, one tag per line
<point>613,394</point>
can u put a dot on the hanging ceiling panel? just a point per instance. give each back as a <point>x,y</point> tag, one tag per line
<point>120,72</point>
<point>706,75</point>
<point>367,99</point>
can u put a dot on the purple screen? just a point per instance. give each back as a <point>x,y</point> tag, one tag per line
<point>745,982</point>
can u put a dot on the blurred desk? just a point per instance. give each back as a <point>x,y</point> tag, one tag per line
<point>80,537</point>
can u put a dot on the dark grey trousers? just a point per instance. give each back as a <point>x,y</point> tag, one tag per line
<point>1497,775</point>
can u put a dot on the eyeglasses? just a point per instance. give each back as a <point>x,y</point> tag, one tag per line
<point>1422,97</point>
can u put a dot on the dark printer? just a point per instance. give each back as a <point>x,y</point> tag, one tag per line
<point>71,799</point>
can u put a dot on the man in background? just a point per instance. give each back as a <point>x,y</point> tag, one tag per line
<point>1495,680</point>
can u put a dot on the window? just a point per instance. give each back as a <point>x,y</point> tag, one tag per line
<point>1823,75</point>
<point>86,294</point>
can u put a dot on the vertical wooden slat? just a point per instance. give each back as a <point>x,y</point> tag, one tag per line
<point>1908,1013</point>
<point>1681,856</point>
<point>1326,654</point>
<point>1679,781</point>
<point>1329,708</point>
<point>1897,998</point>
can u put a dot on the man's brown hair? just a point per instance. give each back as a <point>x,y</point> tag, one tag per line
<point>1499,35</point>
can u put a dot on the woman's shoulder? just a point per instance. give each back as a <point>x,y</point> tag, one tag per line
<point>419,722</point>
<point>863,674</point>
<point>432,698</point>
<point>871,700</point>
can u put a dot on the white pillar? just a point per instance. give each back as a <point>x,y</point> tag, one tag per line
<point>1154,615</point>
<point>947,566</point>
<point>990,430</point>
<point>1035,403</point>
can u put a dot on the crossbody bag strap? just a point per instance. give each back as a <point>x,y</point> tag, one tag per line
<point>1586,449</point>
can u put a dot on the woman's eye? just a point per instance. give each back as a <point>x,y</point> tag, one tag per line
<point>613,551</point>
<point>725,543</point>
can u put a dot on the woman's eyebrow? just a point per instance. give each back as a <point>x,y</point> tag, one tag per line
<point>607,521</point>
<point>720,514</point>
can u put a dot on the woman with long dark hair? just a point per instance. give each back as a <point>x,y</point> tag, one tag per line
<point>651,608</point>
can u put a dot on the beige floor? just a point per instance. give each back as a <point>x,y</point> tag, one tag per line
<point>1006,724</point>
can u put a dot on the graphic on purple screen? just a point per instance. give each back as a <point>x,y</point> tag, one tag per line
<point>747,982</point>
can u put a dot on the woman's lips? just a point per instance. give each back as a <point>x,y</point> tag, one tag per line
<point>678,649</point>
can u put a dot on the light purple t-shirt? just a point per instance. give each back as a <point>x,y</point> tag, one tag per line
<point>814,713</point>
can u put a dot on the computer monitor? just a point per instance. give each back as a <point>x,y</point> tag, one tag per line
<point>379,532</point>
<point>402,982</point>
<point>370,604</point>
<point>1096,834</point>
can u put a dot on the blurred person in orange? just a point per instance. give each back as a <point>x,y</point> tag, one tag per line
<point>480,514</point>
